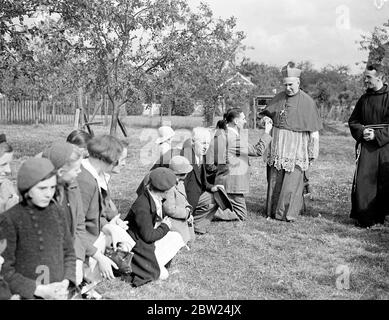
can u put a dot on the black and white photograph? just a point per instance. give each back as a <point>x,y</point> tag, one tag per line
<point>194,155</point>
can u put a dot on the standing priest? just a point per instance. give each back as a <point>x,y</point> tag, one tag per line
<point>369,125</point>
<point>295,144</point>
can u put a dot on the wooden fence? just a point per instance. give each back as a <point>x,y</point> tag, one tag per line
<point>29,111</point>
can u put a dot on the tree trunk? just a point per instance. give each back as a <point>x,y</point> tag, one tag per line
<point>322,110</point>
<point>114,119</point>
<point>209,114</point>
<point>169,109</point>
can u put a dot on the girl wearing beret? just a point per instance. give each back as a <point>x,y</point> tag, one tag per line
<point>39,258</point>
<point>155,244</point>
<point>8,195</point>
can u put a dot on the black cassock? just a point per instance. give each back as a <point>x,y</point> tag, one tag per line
<point>370,192</point>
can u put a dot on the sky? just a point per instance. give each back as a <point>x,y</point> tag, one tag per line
<point>321,31</point>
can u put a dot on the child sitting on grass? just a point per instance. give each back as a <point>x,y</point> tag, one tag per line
<point>104,228</point>
<point>155,244</point>
<point>39,258</point>
<point>66,159</point>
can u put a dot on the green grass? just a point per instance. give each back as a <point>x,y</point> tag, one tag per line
<point>258,259</point>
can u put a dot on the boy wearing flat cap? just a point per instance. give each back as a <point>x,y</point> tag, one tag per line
<point>155,244</point>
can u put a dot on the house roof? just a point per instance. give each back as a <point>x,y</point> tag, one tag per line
<point>239,79</point>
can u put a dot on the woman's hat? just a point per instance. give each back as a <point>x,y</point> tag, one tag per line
<point>162,179</point>
<point>180,165</point>
<point>165,133</point>
<point>32,171</point>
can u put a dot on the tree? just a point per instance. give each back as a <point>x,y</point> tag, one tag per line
<point>113,46</point>
<point>265,77</point>
<point>217,45</point>
<point>377,44</point>
<point>198,74</point>
<point>123,41</point>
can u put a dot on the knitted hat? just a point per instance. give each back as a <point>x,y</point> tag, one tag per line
<point>58,153</point>
<point>180,165</point>
<point>32,171</point>
<point>162,178</point>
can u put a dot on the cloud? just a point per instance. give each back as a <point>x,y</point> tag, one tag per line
<point>324,32</point>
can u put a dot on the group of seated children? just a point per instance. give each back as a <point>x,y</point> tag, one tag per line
<point>55,230</point>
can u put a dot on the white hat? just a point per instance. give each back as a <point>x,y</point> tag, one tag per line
<point>165,133</point>
<point>180,165</point>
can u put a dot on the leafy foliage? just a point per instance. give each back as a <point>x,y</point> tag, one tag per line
<point>377,43</point>
<point>119,48</point>
<point>134,109</point>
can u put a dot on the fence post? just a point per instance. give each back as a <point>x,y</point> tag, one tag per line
<point>76,119</point>
<point>254,114</point>
<point>54,116</point>
<point>81,105</point>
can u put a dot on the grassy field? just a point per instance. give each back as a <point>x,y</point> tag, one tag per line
<point>258,259</point>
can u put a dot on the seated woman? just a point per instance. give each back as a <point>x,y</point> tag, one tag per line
<point>66,159</point>
<point>103,225</point>
<point>39,257</point>
<point>155,244</point>
<point>176,205</point>
<point>8,195</point>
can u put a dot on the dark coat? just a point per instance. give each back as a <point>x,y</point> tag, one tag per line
<point>371,183</point>
<point>37,240</point>
<point>197,181</point>
<point>69,198</point>
<point>141,220</point>
<point>96,213</point>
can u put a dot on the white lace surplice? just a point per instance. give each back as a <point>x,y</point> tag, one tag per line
<point>291,148</point>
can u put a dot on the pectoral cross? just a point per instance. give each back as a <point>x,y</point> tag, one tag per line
<point>282,115</point>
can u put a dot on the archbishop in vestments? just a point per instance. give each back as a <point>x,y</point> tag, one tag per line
<point>295,144</point>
